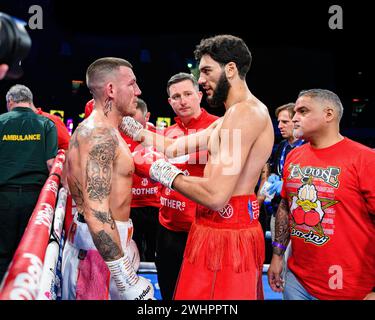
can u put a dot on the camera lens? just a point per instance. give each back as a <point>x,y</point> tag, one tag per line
<point>15,44</point>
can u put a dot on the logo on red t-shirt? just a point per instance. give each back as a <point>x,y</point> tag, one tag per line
<point>328,175</point>
<point>307,209</point>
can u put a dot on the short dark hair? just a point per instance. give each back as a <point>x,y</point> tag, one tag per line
<point>182,76</point>
<point>99,69</point>
<point>141,105</point>
<point>289,107</point>
<point>224,49</point>
<point>325,95</point>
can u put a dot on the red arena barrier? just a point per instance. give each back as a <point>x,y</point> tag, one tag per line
<point>22,280</point>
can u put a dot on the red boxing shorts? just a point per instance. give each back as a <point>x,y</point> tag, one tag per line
<point>224,254</point>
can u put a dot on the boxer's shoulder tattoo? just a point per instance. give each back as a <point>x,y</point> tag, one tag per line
<point>104,217</point>
<point>107,248</point>
<point>73,143</point>
<point>81,132</point>
<point>100,163</point>
<point>282,232</point>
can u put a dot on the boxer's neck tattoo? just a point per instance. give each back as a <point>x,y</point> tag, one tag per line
<point>282,227</point>
<point>107,248</point>
<point>104,217</point>
<point>107,107</point>
<point>100,163</point>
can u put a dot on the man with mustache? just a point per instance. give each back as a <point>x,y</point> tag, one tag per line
<point>327,209</point>
<point>224,253</point>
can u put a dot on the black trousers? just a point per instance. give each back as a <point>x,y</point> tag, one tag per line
<point>16,208</point>
<point>170,249</point>
<point>145,221</point>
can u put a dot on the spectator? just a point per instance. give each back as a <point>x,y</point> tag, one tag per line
<point>63,135</point>
<point>274,167</point>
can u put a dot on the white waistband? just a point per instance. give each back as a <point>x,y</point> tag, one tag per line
<point>82,238</point>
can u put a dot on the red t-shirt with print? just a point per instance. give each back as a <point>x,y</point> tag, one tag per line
<point>177,212</point>
<point>331,196</point>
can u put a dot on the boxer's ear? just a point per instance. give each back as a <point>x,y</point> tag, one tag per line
<point>231,70</point>
<point>109,90</point>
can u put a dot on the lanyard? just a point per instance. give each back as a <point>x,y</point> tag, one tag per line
<point>280,165</point>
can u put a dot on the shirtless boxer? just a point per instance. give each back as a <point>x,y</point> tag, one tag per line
<point>101,189</point>
<point>224,254</point>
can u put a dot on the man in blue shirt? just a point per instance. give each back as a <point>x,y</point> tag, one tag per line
<point>270,193</point>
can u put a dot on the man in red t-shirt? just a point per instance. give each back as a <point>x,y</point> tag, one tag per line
<point>177,212</point>
<point>63,135</point>
<point>327,209</point>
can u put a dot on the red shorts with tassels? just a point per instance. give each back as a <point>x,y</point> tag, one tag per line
<point>224,254</point>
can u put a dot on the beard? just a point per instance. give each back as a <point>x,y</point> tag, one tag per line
<point>220,94</point>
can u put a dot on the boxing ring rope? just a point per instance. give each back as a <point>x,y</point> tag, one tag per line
<point>23,278</point>
<point>48,285</point>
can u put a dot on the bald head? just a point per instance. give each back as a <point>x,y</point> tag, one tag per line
<point>325,97</point>
<point>103,70</point>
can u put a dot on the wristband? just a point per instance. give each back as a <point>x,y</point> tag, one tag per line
<point>279,245</point>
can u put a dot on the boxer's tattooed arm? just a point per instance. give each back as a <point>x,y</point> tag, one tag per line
<point>102,149</point>
<point>100,164</point>
<point>282,227</point>
<point>107,248</point>
<point>77,194</point>
<point>104,217</point>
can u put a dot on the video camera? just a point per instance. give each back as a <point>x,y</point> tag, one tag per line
<point>15,44</point>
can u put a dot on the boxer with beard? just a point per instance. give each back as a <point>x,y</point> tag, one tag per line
<point>224,254</point>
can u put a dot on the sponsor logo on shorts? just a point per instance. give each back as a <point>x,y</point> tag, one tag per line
<point>226,212</point>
